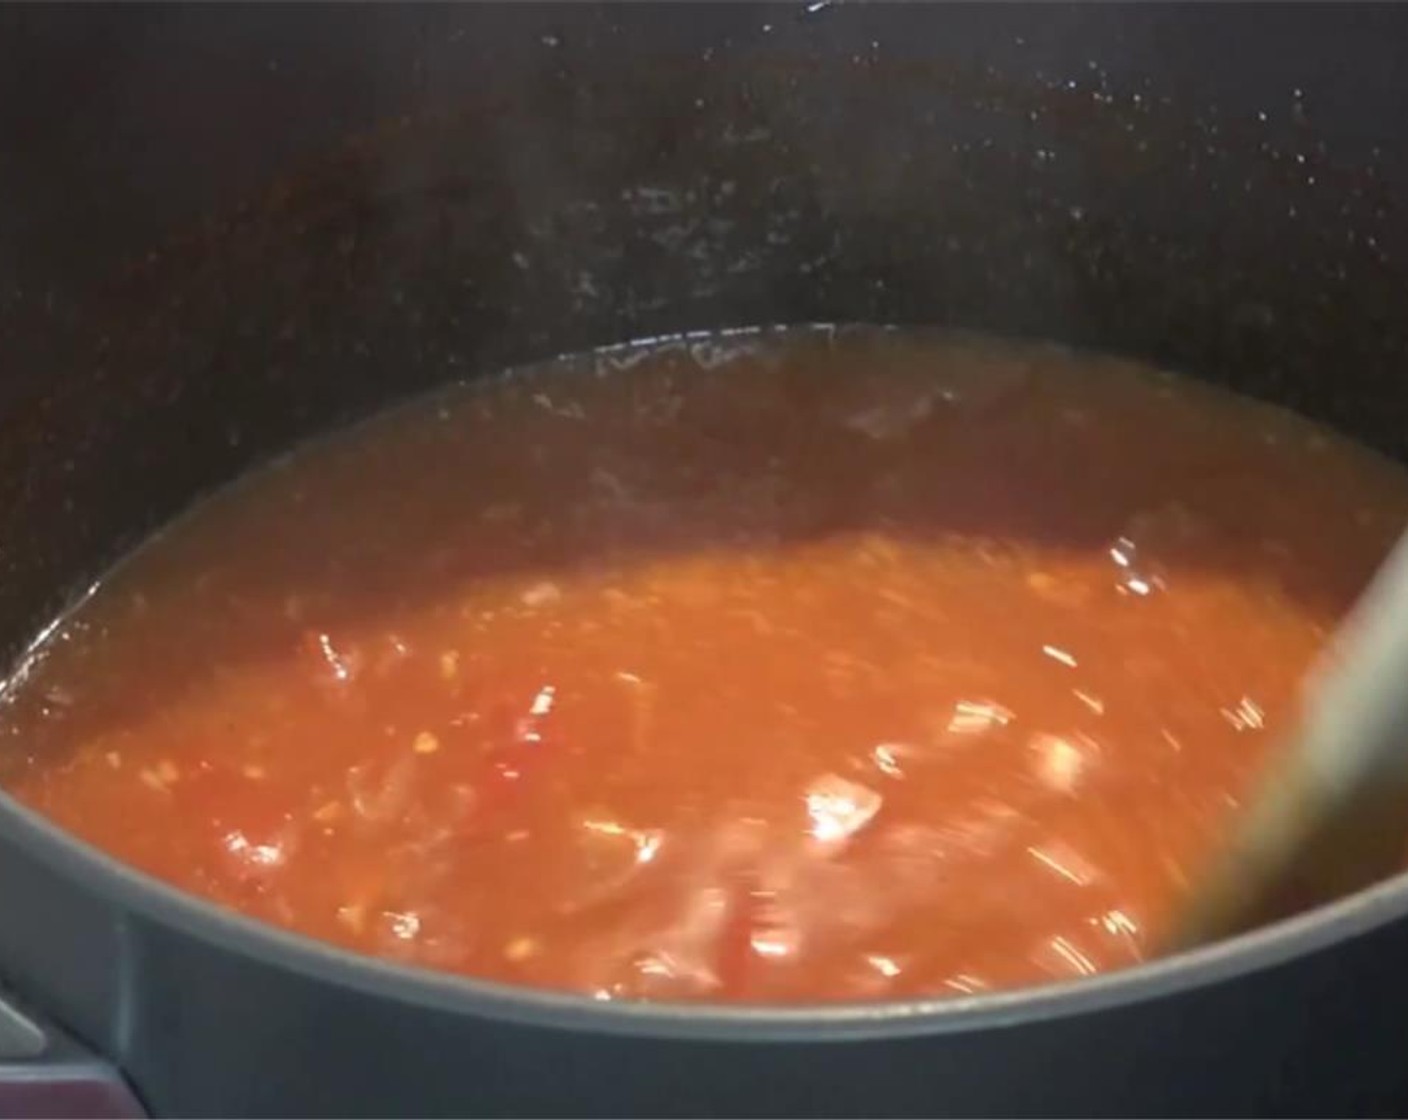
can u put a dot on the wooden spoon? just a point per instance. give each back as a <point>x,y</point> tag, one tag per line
<point>1331,815</point>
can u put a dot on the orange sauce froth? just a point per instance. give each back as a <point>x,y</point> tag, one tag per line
<point>791,666</point>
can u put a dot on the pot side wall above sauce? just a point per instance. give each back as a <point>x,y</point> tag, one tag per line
<point>784,666</point>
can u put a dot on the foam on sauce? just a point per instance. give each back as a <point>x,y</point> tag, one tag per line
<point>789,666</point>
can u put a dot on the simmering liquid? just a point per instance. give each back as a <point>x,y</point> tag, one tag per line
<point>791,666</point>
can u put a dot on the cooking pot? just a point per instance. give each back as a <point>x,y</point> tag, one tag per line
<point>225,228</point>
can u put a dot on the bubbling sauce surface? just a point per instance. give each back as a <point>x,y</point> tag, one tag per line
<point>788,666</point>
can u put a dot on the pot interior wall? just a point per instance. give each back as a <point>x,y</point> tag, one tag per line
<point>238,226</point>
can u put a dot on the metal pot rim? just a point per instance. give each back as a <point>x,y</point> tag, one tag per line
<point>166,905</point>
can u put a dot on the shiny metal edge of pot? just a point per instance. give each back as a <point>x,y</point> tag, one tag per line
<point>154,899</point>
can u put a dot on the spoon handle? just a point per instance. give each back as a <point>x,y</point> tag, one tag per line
<point>1332,814</point>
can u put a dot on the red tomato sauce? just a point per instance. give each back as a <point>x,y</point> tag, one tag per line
<point>790,666</point>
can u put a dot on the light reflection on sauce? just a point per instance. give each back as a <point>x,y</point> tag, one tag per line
<point>830,664</point>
